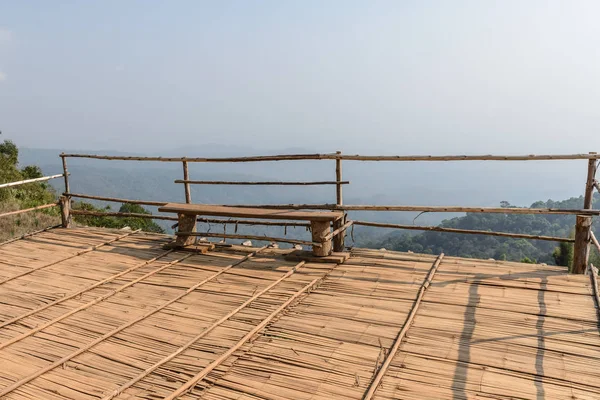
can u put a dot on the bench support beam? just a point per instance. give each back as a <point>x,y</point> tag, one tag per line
<point>320,229</point>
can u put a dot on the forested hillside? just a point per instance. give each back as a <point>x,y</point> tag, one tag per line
<point>482,246</point>
<point>39,193</point>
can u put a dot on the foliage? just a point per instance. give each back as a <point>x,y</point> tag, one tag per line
<point>144,224</point>
<point>482,246</point>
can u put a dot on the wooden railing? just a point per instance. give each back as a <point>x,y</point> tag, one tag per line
<point>583,216</point>
<point>24,182</point>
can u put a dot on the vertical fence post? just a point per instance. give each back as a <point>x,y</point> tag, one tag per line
<point>583,225</point>
<point>65,200</point>
<point>338,241</point>
<point>186,176</point>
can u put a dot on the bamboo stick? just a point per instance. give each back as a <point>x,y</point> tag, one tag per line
<point>330,235</point>
<point>467,231</point>
<point>597,185</point>
<point>29,209</point>
<point>253,237</point>
<point>88,288</point>
<point>205,332</point>
<point>282,183</point>
<point>295,157</point>
<point>200,375</point>
<point>10,278</point>
<point>595,289</point>
<point>29,234</point>
<point>90,303</point>
<point>63,360</point>
<point>42,179</point>
<point>117,200</point>
<point>123,215</point>
<point>383,369</point>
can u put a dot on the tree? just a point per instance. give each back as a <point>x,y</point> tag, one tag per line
<point>106,221</point>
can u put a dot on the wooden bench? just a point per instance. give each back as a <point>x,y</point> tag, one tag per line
<point>320,221</point>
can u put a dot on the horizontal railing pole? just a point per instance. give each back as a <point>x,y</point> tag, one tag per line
<point>122,215</point>
<point>283,157</point>
<point>254,237</point>
<point>199,219</point>
<point>42,179</point>
<point>486,157</point>
<point>29,209</point>
<point>332,156</point>
<point>595,241</point>
<point>466,231</point>
<point>453,209</point>
<point>261,183</point>
<point>116,200</point>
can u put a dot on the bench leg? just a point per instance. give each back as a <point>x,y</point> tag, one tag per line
<point>339,239</point>
<point>319,230</point>
<point>187,223</point>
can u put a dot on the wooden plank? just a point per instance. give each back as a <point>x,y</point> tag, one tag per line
<point>207,209</point>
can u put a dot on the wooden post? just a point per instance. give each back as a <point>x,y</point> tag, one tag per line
<point>583,226</point>
<point>186,177</point>
<point>65,173</point>
<point>582,244</point>
<point>65,200</point>
<point>338,240</point>
<point>320,229</point>
<point>65,211</point>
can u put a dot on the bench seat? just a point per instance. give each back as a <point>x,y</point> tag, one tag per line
<point>319,220</point>
<point>247,212</point>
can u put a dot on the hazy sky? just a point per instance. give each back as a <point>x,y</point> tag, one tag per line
<point>362,76</point>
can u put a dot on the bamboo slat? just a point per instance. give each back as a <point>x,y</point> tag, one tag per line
<point>200,375</point>
<point>394,349</point>
<point>86,289</point>
<point>90,303</point>
<point>67,258</point>
<point>171,356</point>
<point>484,329</point>
<point>63,360</point>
